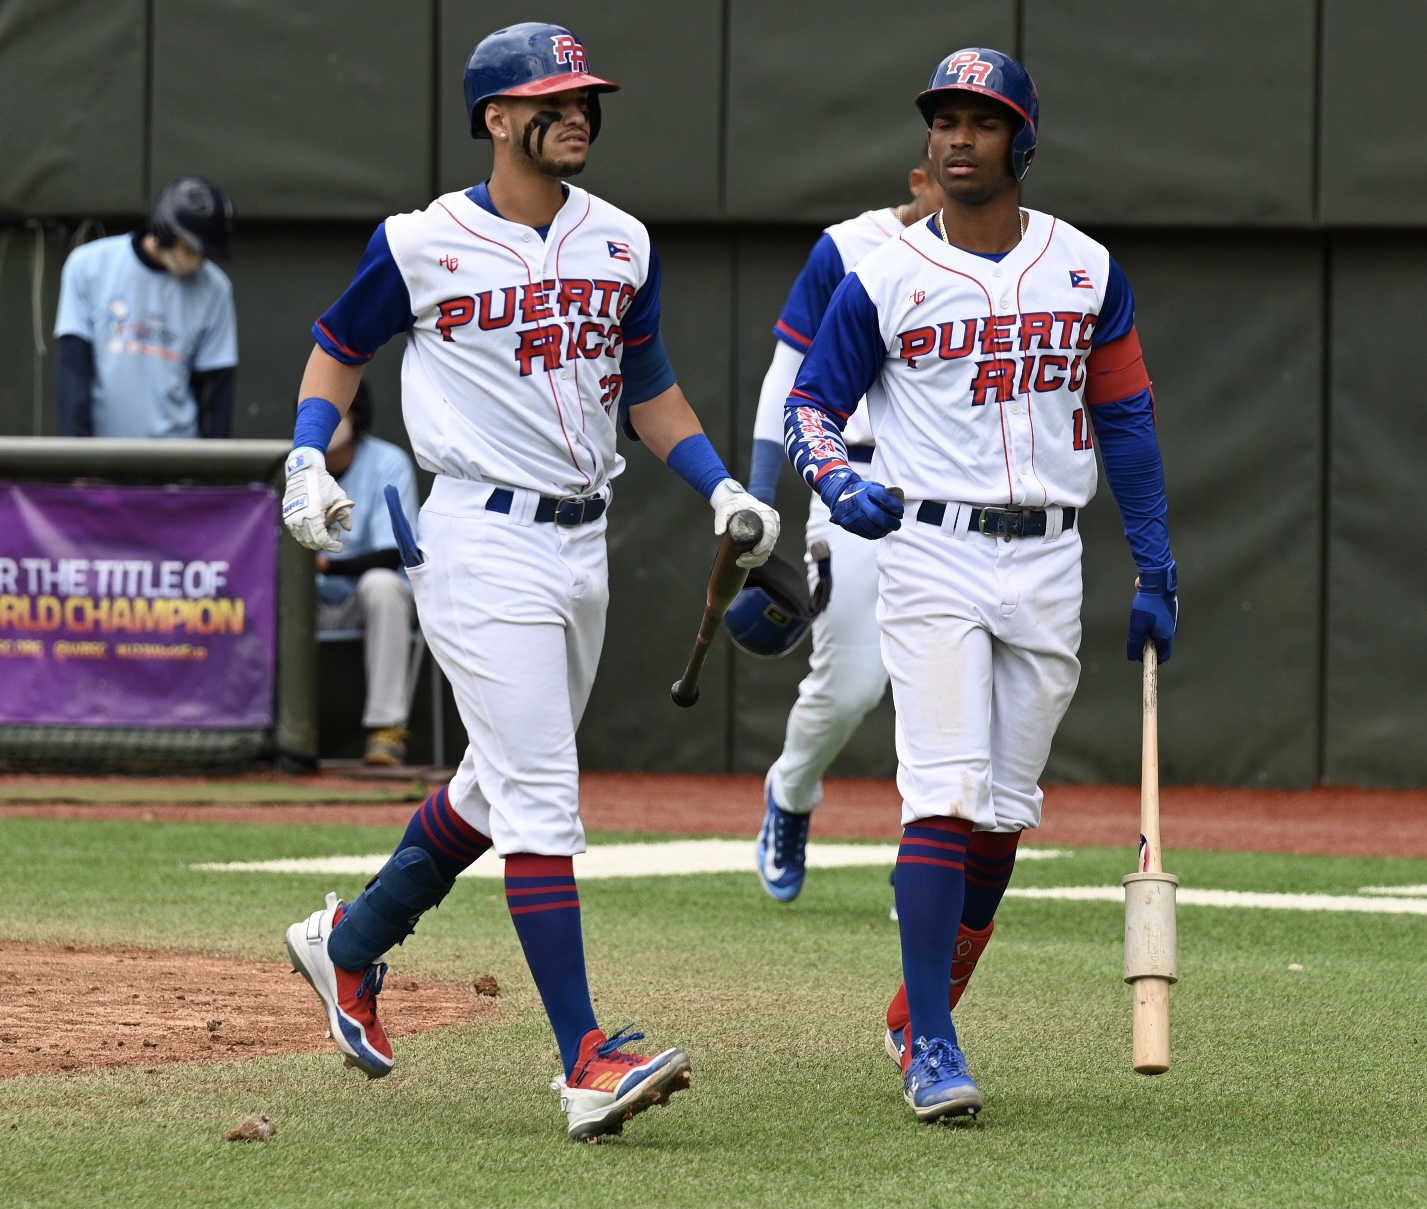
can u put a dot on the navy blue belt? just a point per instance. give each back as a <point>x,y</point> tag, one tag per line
<point>860,453</point>
<point>562,512</point>
<point>999,522</point>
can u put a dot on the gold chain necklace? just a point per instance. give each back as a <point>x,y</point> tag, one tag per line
<point>941,225</point>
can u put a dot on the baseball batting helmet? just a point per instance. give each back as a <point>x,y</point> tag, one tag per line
<point>774,611</point>
<point>531,59</point>
<point>993,74</point>
<point>197,211</point>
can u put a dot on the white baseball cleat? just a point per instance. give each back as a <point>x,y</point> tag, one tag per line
<point>349,999</point>
<point>608,1087</point>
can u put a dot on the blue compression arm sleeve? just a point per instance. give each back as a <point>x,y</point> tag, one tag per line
<point>1135,470</point>
<point>696,461</point>
<point>768,458</point>
<point>317,420</point>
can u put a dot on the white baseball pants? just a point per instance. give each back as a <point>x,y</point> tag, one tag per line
<point>514,611</point>
<point>979,636</point>
<point>845,679</point>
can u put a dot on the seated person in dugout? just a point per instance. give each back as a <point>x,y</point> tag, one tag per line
<point>364,588</point>
<point>148,337</point>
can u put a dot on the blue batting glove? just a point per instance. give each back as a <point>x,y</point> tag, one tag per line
<point>1154,613</point>
<point>866,508</point>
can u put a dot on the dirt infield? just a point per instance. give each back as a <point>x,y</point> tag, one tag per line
<point>72,1008</point>
<point>1333,821</point>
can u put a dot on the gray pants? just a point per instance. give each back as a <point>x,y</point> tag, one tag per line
<point>382,608</point>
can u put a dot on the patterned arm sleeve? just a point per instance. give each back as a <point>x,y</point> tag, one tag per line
<point>845,358</point>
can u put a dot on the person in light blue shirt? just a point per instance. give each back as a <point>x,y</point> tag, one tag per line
<point>364,588</point>
<point>148,338</point>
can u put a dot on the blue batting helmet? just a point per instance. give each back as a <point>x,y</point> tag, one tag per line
<point>531,59</point>
<point>995,75</point>
<point>774,611</point>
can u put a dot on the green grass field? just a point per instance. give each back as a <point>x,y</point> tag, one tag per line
<point>1289,1087</point>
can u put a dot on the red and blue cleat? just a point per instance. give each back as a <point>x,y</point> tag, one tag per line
<point>349,998</point>
<point>609,1087</point>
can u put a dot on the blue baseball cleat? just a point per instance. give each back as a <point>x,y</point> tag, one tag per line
<point>782,850</point>
<point>938,1083</point>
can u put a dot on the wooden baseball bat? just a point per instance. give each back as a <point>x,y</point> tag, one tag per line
<point>745,530</point>
<point>1155,942</point>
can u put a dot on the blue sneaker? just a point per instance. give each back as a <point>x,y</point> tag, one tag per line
<point>938,1083</point>
<point>783,850</point>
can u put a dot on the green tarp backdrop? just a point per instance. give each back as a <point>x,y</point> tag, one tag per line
<point>1257,166</point>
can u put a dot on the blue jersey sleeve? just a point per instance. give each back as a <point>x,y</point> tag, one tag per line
<point>645,364</point>
<point>374,308</point>
<point>811,293</point>
<point>1117,309</point>
<point>846,355</point>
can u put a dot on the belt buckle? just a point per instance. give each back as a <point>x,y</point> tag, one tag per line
<point>569,513</point>
<point>1007,523</point>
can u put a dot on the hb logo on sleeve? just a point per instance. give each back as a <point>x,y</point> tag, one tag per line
<point>568,50</point>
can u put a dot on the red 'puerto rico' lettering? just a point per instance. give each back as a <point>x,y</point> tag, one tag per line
<point>454,313</point>
<point>540,344</point>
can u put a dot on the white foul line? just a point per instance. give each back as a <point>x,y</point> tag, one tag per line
<point>1237,898</point>
<point>619,860</point>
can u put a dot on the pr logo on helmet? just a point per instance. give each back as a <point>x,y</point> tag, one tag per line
<point>969,68</point>
<point>568,50</point>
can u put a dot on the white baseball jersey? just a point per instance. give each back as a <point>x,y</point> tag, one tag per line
<point>836,254</point>
<point>974,368</point>
<point>512,372</point>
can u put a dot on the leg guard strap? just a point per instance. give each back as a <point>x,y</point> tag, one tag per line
<point>385,913</point>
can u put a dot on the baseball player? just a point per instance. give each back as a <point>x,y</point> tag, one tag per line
<point>845,677</point>
<point>147,332</point>
<point>531,311</point>
<point>995,346</point>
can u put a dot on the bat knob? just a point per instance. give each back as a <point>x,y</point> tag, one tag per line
<point>745,529</point>
<point>681,699</point>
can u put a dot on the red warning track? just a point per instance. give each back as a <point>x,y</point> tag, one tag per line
<point>1344,822</point>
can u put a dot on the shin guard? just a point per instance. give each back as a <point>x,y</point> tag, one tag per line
<point>385,913</point>
<point>970,944</point>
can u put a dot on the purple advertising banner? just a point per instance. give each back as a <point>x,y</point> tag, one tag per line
<point>137,606</point>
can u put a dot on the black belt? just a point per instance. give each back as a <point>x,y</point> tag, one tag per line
<point>562,512</point>
<point>999,522</point>
<point>860,453</point>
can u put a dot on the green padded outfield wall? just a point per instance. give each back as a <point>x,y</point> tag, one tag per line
<point>658,152</point>
<point>1376,705</point>
<point>821,118</point>
<point>1183,135</point>
<point>1198,112</point>
<point>72,106</point>
<point>1240,413</point>
<point>314,110</point>
<point>1374,140</point>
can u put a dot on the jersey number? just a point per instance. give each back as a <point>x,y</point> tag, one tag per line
<point>1081,426</point>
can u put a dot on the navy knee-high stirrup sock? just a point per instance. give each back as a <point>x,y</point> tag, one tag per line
<point>990,861</point>
<point>437,846</point>
<point>545,908</point>
<point>930,886</point>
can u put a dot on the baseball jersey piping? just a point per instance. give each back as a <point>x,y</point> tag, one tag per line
<point>560,415</point>
<point>559,248</point>
<point>990,312</point>
<point>1030,414</point>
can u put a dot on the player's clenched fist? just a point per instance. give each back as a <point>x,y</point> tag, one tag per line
<point>730,497</point>
<point>865,508</point>
<point>314,505</point>
<point>1155,612</point>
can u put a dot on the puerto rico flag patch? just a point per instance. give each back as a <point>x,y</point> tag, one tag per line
<point>617,250</point>
<point>1080,280</point>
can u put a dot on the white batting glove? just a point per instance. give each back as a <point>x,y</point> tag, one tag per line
<point>730,497</point>
<point>314,505</point>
